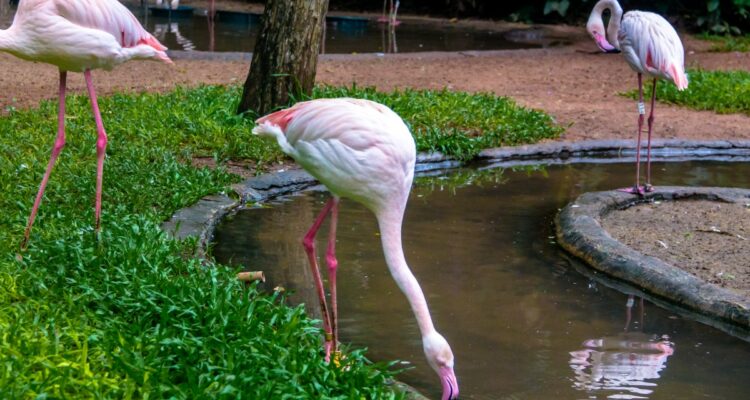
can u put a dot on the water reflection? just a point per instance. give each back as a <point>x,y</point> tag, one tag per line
<point>506,296</point>
<point>625,365</point>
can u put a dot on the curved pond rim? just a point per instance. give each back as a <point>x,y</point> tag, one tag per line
<point>200,219</point>
<point>579,232</point>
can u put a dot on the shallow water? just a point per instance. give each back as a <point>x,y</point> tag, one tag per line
<point>523,323</point>
<point>233,32</point>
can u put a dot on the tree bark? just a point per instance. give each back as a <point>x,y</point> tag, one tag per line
<point>286,54</point>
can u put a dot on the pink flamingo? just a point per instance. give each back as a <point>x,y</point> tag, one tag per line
<point>77,36</point>
<point>361,150</point>
<point>651,47</point>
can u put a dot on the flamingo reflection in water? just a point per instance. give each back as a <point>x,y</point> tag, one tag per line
<point>628,362</point>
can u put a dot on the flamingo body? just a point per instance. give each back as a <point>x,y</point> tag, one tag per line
<point>651,47</point>
<point>77,36</point>
<point>360,150</point>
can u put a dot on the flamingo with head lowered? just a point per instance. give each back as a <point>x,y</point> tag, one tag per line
<point>78,36</point>
<point>652,48</point>
<point>361,150</point>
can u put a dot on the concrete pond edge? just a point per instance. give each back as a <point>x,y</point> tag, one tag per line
<point>200,219</point>
<point>579,232</point>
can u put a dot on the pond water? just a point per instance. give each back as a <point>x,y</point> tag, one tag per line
<point>237,32</point>
<point>523,323</point>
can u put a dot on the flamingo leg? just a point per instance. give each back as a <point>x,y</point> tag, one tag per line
<point>309,244</point>
<point>637,189</point>
<point>101,146</point>
<point>332,267</point>
<point>56,149</point>
<point>649,187</point>
<point>628,311</point>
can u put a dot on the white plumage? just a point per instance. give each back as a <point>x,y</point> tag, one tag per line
<point>78,36</point>
<point>651,47</point>
<point>361,150</point>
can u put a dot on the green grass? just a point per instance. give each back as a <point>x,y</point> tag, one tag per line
<point>135,314</point>
<point>727,43</point>
<point>457,123</point>
<point>721,91</point>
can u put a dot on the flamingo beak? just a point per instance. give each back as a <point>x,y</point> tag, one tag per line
<point>449,382</point>
<point>604,45</point>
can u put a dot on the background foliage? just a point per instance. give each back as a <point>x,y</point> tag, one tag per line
<point>705,15</point>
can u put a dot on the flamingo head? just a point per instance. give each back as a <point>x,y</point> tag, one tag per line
<point>440,358</point>
<point>599,35</point>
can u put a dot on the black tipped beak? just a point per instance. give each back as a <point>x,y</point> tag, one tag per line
<point>613,51</point>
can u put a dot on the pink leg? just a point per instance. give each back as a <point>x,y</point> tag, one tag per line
<point>648,186</point>
<point>637,189</point>
<point>309,243</point>
<point>332,266</point>
<point>628,311</point>
<point>101,146</point>
<point>56,149</point>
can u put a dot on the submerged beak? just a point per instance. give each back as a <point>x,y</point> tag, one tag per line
<point>449,382</point>
<point>603,44</point>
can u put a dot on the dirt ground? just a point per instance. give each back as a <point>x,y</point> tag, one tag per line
<point>576,84</point>
<point>709,239</point>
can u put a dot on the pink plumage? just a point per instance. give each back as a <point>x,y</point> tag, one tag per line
<point>78,36</point>
<point>361,150</point>
<point>651,47</point>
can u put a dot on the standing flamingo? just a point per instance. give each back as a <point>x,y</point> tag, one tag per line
<point>362,150</point>
<point>651,47</point>
<point>78,36</point>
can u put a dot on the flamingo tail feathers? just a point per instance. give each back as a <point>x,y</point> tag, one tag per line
<point>679,77</point>
<point>273,125</point>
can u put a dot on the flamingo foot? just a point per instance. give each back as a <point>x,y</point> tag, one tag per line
<point>648,188</point>
<point>639,190</point>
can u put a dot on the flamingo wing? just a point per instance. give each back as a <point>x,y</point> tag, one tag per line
<point>345,143</point>
<point>651,45</point>
<point>109,16</point>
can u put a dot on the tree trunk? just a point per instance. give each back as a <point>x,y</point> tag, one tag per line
<point>286,54</point>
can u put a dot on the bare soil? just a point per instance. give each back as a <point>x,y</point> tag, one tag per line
<point>709,239</point>
<point>576,84</point>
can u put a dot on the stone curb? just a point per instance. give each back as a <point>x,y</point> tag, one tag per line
<point>580,233</point>
<point>200,219</point>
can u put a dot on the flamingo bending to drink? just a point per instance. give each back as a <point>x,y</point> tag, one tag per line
<point>77,36</point>
<point>651,47</point>
<point>361,150</point>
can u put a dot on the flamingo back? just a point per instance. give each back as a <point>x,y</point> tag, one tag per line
<point>357,148</point>
<point>651,46</point>
<point>109,16</point>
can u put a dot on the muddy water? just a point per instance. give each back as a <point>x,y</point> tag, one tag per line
<point>523,323</point>
<point>236,32</point>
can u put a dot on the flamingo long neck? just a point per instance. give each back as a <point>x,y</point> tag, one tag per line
<point>613,27</point>
<point>390,234</point>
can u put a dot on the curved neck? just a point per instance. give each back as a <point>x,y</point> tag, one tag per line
<point>613,27</point>
<point>390,235</point>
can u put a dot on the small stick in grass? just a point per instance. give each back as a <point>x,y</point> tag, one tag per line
<point>250,276</point>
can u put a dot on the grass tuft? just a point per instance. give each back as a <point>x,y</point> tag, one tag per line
<point>728,43</point>
<point>721,91</point>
